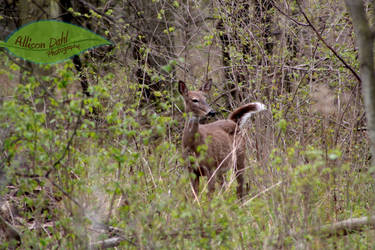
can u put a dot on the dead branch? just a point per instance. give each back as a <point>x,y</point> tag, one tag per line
<point>111,242</point>
<point>345,227</point>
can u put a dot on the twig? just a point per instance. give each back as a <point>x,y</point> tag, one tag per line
<point>40,8</point>
<point>25,68</point>
<point>78,122</point>
<point>260,193</point>
<point>118,175</point>
<point>327,45</point>
<point>296,90</point>
<point>92,7</point>
<point>208,61</point>
<point>287,16</point>
<point>223,94</point>
<point>65,193</point>
<point>196,198</point>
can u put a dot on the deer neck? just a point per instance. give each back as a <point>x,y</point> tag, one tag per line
<point>191,129</point>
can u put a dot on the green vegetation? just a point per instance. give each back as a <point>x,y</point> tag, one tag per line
<point>77,168</point>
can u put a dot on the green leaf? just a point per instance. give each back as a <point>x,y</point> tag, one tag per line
<point>282,125</point>
<point>167,68</point>
<point>51,41</point>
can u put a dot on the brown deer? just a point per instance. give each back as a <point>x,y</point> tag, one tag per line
<point>224,145</point>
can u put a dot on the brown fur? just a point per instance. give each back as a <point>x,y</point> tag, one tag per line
<point>225,147</point>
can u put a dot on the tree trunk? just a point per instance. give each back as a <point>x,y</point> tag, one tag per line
<point>365,41</point>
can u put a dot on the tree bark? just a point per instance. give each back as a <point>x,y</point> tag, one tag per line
<point>365,41</point>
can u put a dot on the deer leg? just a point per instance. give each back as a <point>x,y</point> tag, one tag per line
<point>240,181</point>
<point>195,183</point>
<point>211,184</point>
<point>221,180</point>
<point>239,174</point>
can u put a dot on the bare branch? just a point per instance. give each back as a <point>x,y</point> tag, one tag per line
<point>287,16</point>
<point>327,45</point>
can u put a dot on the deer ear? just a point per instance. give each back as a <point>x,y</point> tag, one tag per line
<point>182,88</point>
<point>206,86</point>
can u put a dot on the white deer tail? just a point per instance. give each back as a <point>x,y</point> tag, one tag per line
<point>241,114</point>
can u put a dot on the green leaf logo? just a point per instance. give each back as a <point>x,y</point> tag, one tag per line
<point>51,41</point>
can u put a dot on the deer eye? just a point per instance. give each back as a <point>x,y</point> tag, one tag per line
<point>195,100</point>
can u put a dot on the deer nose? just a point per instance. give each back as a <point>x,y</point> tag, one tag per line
<point>211,113</point>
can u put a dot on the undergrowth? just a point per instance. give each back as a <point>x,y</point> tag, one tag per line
<point>77,169</point>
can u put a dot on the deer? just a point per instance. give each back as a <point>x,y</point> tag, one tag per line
<point>212,149</point>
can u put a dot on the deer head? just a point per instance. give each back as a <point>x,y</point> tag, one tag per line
<point>195,101</point>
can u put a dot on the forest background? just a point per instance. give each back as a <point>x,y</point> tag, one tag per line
<point>91,148</point>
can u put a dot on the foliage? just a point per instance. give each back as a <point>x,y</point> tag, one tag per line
<point>76,169</point>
